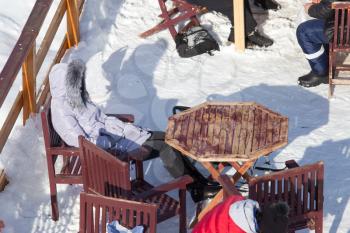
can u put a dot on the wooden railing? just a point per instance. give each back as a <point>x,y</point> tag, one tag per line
<point>25,56</point>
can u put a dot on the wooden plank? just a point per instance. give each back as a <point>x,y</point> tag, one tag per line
<point>237,118</point>
<point>224,133</point>
<point>262,139</point>
<point>72,23</point>
<point>238,14</point>
<point>269,130</point>
<point>217,129</point>
<point>190,138</point>
<point>276,125</point>
<point>211,126</point>
<point>243,134</point>
<point>284,130</point>
<point>250,131</point>
<point>29,84</point>
<point>50,34</point>
<point>11,120</point>
<point>231,128</point>
<point>23,46</point>
<point>3,181</point>
<point>256,129</point>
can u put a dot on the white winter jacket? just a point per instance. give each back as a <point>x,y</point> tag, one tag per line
<point>90,121</point>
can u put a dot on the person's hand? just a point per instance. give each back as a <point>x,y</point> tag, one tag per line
<point>307,6</point>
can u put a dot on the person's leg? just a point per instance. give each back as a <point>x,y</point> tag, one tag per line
<point>312,41</point>
<point>178,165</point>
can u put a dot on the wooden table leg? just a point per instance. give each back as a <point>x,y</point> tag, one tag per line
<point>241,171</point>
<point>238,15</point>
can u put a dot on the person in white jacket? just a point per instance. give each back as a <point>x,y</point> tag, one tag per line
<point>74,114</point>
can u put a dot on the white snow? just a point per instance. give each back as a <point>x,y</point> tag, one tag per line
<point>146,77</point>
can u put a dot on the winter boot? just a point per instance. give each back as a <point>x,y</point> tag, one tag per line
<point>267,4</point>
<point>199,207</point>
<point>231,37</point>
<point>311,80</point>
<point>259,40</point>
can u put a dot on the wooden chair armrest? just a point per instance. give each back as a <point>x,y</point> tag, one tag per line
<point>178,183</point>
<point>129,118</point>
<point>68,151</point>
<point>228,186</point>
<point>291,164</point>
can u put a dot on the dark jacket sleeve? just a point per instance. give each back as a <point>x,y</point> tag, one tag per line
<point>321,10</point>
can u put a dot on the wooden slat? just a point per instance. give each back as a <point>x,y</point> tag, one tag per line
<point>217,128</point>
<point>237,117</point>
<point>11,120</point>
<point>299,194</point>
<point>305,180</point>
<point>276,130</point>
<point>312,191</point>
<point>28,83</point>
<point>72,22</point>
<point>23,46</point>
<point>189,141</point>
<point>229,138</point>
<point>256,129</point>
<point>263,128</point>
<point>243,134</point>
<point>238,14</point>
<point>269,130</point>
<point>250,127</point>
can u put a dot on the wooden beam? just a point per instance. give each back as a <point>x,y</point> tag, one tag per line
<point>72,23</point>
<point>238,14</point>
<point>3,182</point>
<point>29,84</point>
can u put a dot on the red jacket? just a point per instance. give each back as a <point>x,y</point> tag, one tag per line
<point>218,219</point>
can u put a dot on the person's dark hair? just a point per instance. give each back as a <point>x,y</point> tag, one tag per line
<point>75,84</point>
<point>273,218</point>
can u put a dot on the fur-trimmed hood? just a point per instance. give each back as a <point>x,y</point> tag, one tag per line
<point>68,80</point>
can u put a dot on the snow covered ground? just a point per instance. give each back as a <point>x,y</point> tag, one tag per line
<point>127,74</point>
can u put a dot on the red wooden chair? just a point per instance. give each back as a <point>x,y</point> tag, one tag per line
<point>70,170</point>
<point>96,211</point>
<point>105,174</point>
<point>181,11</point>
<point>339,45</point>
<point>300,187</point>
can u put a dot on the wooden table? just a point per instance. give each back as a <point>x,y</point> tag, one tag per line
<point>230,133</point>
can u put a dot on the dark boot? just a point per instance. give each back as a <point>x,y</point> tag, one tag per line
<point>267,4</point>
<point>259,40</point>
<point>311,80</point>
<point>199,207</point>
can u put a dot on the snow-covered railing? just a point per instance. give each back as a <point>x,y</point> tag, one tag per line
<point>25,56</point>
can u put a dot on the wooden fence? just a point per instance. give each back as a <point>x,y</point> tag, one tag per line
<point>25,56</point>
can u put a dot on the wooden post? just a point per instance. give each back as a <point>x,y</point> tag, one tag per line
<point>3,180</point>
<point>238,14</point>
<point>73,34</point>
<point>28,83</point>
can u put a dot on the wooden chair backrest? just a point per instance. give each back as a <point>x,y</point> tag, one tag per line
<point>300,187</point>
<point>96,211</point>
<point>102,172</point>
<point>51,137</point>
<point>341,38</point>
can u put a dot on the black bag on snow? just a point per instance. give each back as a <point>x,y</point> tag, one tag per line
<point>195,41</point>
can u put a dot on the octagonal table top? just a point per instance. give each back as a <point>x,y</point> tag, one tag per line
<point>227,131</point>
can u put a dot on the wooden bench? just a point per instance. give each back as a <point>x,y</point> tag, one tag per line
<point>69,171</point>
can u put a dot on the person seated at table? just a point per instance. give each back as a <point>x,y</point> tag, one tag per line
<point>74,114</point>
<point>239,215</point>
<point>313,37</point>
<point>225,7</point>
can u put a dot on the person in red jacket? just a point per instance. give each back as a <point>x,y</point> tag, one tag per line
<point>239,215</point>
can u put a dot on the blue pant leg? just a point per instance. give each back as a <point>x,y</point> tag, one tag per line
<point>314,44</point>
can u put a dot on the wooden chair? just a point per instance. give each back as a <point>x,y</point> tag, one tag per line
<point>181,11</point>
<point>300,187</point>
<point>105,174</point>
<point>96,211</point>
<point>70,170</point>
<point>339,45</point>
